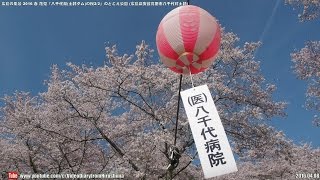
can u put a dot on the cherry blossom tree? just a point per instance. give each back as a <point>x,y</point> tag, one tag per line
<point>311,8</point>
<point>289,162</point>
<point>120,118</point>
<point>307,67</point>
<point>307,60</point>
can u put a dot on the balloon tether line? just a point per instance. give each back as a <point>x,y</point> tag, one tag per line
<point>177,118</point>
<point>191,77</point>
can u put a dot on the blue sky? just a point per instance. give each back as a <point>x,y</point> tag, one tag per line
<point>34,38</point>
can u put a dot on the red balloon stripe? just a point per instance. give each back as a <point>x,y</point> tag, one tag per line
<point>189,23</point>
<point>194,70</point>
<point>164,46</point>
<point>180,63</point>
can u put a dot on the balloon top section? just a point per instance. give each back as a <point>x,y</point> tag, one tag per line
<point>188,39</point>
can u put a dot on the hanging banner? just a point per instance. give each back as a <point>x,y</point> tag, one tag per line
<point>208,133</point>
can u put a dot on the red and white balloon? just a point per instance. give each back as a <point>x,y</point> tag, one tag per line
<point>188,39</point>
